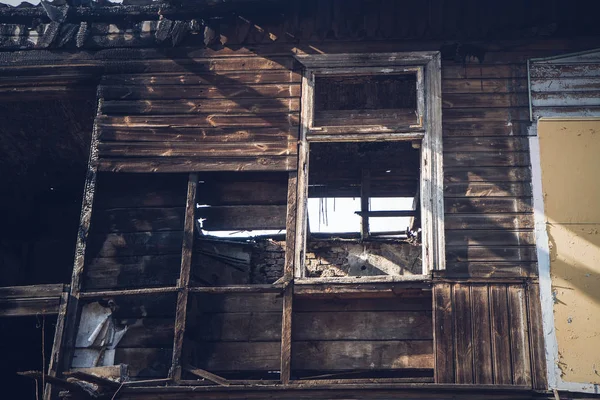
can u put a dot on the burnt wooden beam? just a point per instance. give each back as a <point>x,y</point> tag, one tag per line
<point>17,301</point>
<point>184,278</point>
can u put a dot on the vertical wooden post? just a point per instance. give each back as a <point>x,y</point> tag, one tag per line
<point>365,194</point>
<point>57,346</point>
<point>288,276</point>
<point>184,276</point>
<point>89,191</point>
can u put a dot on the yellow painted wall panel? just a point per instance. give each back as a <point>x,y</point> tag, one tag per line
<point>570,161</point>
<point>570,169</point>
<point>575,272</point>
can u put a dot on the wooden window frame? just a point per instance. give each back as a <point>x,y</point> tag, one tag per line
<point>428,130</point>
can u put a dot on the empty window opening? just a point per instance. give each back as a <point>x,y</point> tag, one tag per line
<point>240,228</point>
<point>363,209</point>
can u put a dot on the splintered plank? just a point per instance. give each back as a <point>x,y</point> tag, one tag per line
<point>362,355</point>
<point>165,92</point>
<point>463,334</point>
<point>519,336</point>
<point>362,325</point>
<point>243,217</point>
<point>500,335</point>
<point>482,339</point>
<point>443,311</point>
<point>194,106</point>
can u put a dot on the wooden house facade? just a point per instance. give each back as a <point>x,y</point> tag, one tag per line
<point>221,131</point>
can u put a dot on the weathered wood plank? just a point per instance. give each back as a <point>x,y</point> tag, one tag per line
<point>500,335</point>
<point>485,85</point>
<point>485,100</point>
<point>489,238</point>
<point>147,332</point>
<point>485,128</point>
<point>519,336</point>
<point>463,334</point>
<point>238,356</point>
<point>238,302</point>
<point>223,150</point>
<point>486,114</point>
<point>104,273</point>
<point>489,221</point>
<point>536,338</point>
<point>125,220</point>
<point>365,355</point>
<point>205,120</point>
<point>487,189</point>
<point>490,269</point>
<point>443,313</point>
<point>243,217</point>
<point>484,71</point>
<point>237,327</point>
<point>361,325</point>
<point>158,106</point>
<point>175,92</point>
<point>207,78</point>
<point>335,304</point>
<point>486,159</point>
<point>490,253</point>
<point>457,205</point>
<point>564,84</point>
<point>487,174</point>
<point>188,164</point>
<point>198,134</point>
<point>482,339</point>
<point>484,144</point>
<point>134,244</point>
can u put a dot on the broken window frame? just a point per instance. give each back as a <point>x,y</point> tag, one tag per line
<point>428,131</point>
